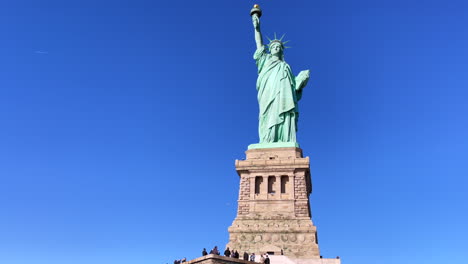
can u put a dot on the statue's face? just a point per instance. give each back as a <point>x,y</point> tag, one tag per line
<point>276,48</point>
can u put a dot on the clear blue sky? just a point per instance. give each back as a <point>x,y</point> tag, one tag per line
<point>120,122</point>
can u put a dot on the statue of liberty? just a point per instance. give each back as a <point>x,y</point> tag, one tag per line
<point>278,89</point>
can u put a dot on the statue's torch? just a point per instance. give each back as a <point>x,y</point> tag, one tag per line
<point>256,11</point>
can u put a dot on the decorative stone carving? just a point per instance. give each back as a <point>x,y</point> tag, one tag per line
<point>301,238</point>
<point>312,238</point>
<point>284,238</point>
<point>275,237</point>
<point>292,238</point>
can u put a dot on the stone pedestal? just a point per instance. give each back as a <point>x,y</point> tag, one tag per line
<point>273,213</point>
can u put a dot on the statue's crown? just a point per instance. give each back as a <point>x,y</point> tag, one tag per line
<point>276,40</point>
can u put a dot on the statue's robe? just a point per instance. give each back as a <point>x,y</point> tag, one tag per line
<point>277,99</point>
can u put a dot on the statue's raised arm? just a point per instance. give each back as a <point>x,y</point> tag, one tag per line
<point>256,13</point>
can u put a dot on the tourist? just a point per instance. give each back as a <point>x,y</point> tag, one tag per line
<point>227,252</point>
<point>267,259</point>
<point>204,253</point>
<point>215,251</point>
<point>252,257</point>
<point>262,259</point>
<point>246,256</point>
<point>236,254</point>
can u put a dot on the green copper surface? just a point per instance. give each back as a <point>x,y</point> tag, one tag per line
<point>279,91</point>
<point>274,145</point>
